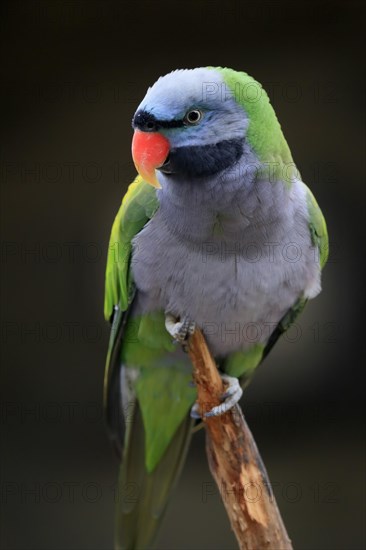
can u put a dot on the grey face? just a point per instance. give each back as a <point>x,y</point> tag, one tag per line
<point>204,124</point>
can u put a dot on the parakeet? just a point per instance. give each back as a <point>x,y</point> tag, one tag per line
<point>217,231</point>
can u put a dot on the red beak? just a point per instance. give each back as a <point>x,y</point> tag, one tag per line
<point>149,151</point>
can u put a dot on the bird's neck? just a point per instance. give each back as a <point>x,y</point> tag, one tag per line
<point>227,206</point>
<point>216,208</point>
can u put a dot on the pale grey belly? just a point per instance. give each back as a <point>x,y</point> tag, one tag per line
<point>237,298</point>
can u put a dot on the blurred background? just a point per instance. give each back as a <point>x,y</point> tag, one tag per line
<point>74,73</point>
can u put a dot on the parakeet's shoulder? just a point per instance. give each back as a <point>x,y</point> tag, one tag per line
<point>140,202</point>
<point>138,205</point>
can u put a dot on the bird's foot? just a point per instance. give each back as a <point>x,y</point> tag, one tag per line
<point>179,329</point>
<point>229,399</point>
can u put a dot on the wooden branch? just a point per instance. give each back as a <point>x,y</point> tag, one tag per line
<point>235,462</point>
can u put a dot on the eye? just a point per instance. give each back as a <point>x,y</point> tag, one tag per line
<point>193,117</point>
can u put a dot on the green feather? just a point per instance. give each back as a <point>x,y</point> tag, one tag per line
<point>243,363</point>
<point>146,341</point>
<point>138,206</point>
<point>162,387</point>
<point>318,228</point>
<point>165,397</point>
<point>264,132</point>
<point>141,497</point>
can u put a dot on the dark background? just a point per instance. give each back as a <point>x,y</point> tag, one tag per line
<point>75,71</point>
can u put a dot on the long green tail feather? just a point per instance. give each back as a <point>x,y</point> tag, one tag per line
<point>143,496</point>
<point>112,399</point>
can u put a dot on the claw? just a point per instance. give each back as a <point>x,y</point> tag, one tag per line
<point>179,330</point>
<point>230,398</point>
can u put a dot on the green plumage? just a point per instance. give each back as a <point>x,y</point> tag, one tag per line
<point>264,133</point>
<point>163,387</point>
<point>138,206</point>
<point>142,496</point>
<point>318,228</point>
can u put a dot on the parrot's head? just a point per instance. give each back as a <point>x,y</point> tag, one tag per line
<point>196,122</point>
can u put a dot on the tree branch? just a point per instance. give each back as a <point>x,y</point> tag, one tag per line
<point>235,462</point>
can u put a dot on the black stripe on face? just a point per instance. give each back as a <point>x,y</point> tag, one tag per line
<point>146,122</point>
<point>203,160</point>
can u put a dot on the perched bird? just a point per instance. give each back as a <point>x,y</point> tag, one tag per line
<point>217,231</point>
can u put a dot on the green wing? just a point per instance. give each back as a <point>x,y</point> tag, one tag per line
<point>318,229</point>
<point>243,364</point>
<point>138,206</point>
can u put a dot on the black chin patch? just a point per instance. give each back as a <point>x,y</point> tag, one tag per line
<point>204,160</point>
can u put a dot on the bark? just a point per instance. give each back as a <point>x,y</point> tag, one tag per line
<point>235,462</point>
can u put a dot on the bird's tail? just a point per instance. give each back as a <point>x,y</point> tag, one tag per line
<point>142,496</point>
